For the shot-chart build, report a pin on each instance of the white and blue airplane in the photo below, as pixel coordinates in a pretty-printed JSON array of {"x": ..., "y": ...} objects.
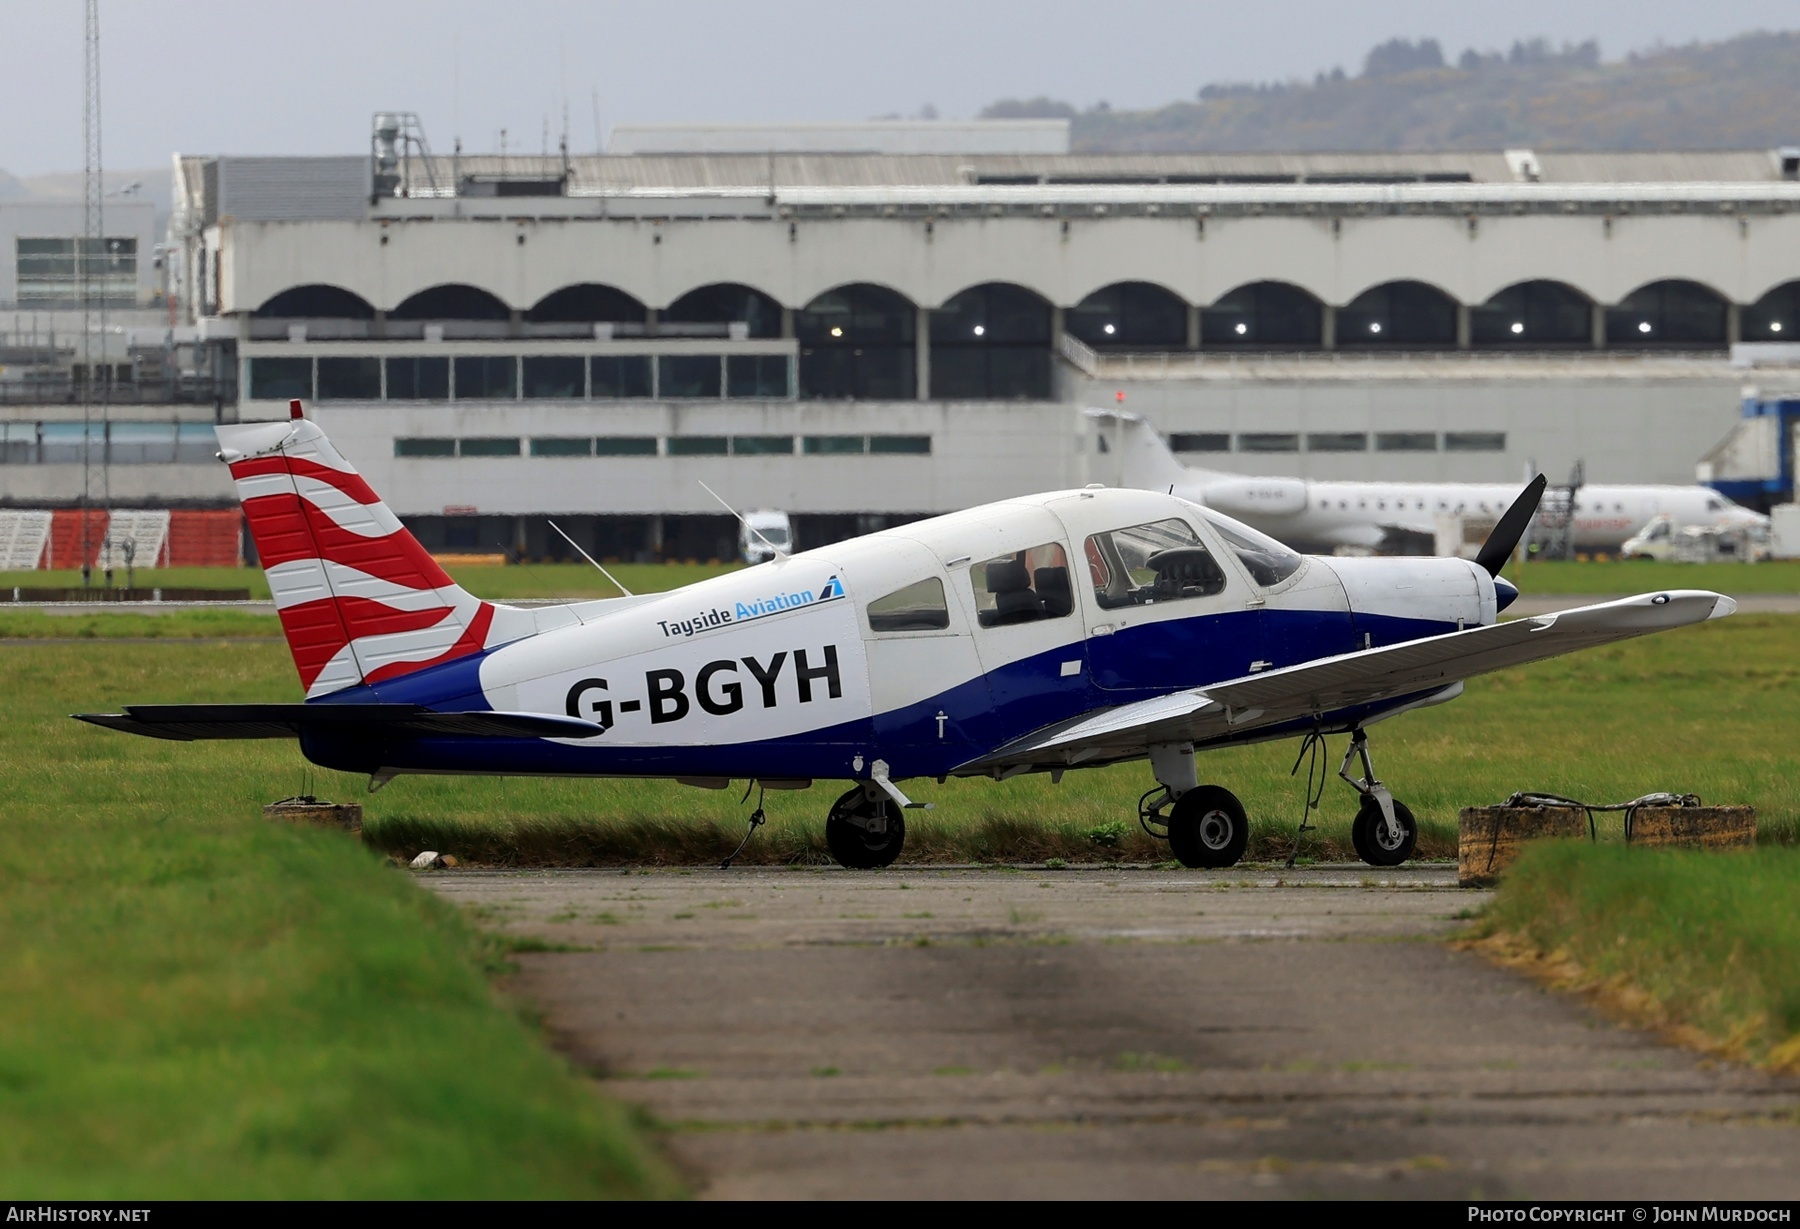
[{"x": 1063, "y": 630}]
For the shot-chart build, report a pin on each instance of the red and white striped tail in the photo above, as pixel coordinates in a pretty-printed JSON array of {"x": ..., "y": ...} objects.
[{"x": 359, "y": 598}]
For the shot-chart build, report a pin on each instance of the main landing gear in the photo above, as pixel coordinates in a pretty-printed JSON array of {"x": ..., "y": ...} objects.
[
  {"x": 1384, "y": 831},
  {"x": 865, "y": 829},
  {"x": 1205, "y": 825}
]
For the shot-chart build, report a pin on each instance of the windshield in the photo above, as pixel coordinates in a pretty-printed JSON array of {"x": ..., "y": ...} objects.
[{"x": 1268, "y": 561}]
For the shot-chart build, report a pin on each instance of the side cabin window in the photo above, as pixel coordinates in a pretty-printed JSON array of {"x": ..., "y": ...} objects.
[
  {"x": 919, "y": 607},
  {"x": 1023, "y": 587},
  {"x": 1159, "y": 562}
]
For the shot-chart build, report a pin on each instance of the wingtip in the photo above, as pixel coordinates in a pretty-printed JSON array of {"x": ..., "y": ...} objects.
[{"x": 1724, "y": 607}]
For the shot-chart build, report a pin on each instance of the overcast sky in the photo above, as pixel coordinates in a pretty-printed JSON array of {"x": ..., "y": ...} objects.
[{"x": 242, "y": 76}]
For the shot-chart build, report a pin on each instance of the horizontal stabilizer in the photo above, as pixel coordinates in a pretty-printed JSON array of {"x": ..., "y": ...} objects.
[{"x": 188, "y": 722}]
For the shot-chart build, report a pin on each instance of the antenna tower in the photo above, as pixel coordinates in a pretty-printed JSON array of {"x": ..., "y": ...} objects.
[{"x": 90, "y": 252}]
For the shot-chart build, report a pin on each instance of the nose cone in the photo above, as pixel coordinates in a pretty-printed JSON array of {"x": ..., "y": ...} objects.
[{"x": 1504, "y": 593}]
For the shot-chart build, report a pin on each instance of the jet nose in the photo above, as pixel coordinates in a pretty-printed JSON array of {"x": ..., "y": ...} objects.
[{"x": 1504, "y": 593}]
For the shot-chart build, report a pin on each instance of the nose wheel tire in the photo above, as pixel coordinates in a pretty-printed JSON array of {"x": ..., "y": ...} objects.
[
  {"x": 1368, "y": 832},
  {"x": 1208, "y": 828},
  {"x": 864, "y": 833}
]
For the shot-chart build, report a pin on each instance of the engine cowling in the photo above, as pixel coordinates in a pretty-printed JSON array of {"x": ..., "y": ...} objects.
[{"x": 1256, "y": 497}]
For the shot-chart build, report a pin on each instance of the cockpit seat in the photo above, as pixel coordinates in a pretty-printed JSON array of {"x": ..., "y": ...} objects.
[
  {"x": 1014, "y": 601},
  {"x": 1054, "y": 594}
]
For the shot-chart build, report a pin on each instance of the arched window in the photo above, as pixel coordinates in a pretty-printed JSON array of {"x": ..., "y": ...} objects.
[
  {"x": 1774, "y": 317},
  {"x": 1264, "y": 315},
  {"x": 726, "y": 303},
  {"x": 1398, "y": 314},
  {"x": 1541, "y": 313},
  {"x": 317, "y": 303},
  {"x": 451, "y": 302},
  {"x": 858, "y": 342},
  {"x": 1130, "y": 316},
  {"x": 586, "y": 303},
  {"x": 1668, "y": 314},
  {"x": 991, "y": 343}
]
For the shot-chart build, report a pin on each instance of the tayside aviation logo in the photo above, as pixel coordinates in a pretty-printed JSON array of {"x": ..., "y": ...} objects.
[{"x": 748, "y": 611}]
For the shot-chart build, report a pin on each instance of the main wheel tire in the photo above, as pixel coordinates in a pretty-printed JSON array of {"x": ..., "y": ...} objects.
[
  {"x": 1368, "y": 832},
  {"x": 1208, "y": 828},
  {"x": 853, "y": 842}
]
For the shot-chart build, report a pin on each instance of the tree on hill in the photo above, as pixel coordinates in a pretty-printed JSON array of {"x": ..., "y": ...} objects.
[{"x": 1743, "y": 93}]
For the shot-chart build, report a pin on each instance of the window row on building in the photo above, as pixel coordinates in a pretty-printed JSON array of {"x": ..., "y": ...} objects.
[
  {"x": 419, "y": 447},
  {"x": 106, "y": 443},
  {"x": 533, "y": 377},
  {"x": 1339, "y": 441},
  {"x": 1128, "y": 315},
  {"x": 63, "y": 272}
]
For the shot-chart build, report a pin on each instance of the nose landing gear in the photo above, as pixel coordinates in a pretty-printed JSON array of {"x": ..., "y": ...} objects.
[{"x": 1384, "y": 831}]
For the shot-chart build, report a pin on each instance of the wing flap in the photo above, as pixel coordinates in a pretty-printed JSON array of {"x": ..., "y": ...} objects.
[{"x": 190, "y": 722}]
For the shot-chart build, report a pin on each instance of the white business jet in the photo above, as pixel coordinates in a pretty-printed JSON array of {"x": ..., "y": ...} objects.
[{"x": 1389, "y": 516}]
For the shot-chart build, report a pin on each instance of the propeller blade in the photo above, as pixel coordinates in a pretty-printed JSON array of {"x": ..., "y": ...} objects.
[{"x": 1499, "y": 546}]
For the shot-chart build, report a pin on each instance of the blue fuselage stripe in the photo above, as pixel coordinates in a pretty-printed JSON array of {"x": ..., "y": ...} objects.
[{"x": 978, "y": 715}]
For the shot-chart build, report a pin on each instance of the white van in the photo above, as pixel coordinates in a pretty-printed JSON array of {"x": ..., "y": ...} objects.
[{"x": 772, "y": 529}]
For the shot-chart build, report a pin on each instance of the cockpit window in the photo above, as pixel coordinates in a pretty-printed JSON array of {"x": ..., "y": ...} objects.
[
  {"x": 1713, "y": 505},
  {"x": 920, "y": 607},
  {"x": 1159, "y": 562},
  {"x": 1023, "y": 587},
  {"x": 1267, "y": 561}
]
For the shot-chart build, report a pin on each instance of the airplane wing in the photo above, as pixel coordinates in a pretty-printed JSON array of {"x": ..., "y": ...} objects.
[
  {"x": 188, "y": 722},
  {"x": 1415, "y": 668}
]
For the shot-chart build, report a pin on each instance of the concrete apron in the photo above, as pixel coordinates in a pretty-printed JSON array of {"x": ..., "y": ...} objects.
[{"x": 1109, "y": 1032}]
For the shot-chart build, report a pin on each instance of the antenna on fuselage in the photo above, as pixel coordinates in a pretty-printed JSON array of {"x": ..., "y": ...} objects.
[
  {"x": 780, "y": 551},
  {"x": 592, "y": 560}
]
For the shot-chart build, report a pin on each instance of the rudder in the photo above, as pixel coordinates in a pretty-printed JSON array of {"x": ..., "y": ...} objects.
[{"x": 360, "y": 599}]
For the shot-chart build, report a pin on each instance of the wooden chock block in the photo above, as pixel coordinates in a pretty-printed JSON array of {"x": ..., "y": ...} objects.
[
  {"x": 1693, "y": 827},
  {"x": 1489, "y": 839},
  {"x": 346, "y": 817}
]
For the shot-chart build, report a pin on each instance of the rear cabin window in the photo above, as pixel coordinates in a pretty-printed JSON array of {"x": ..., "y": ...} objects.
[
  {"x": 1023, "y": 587},
  {"x": 1159, "y": 562},
  {"x": 920, "y": 607}
]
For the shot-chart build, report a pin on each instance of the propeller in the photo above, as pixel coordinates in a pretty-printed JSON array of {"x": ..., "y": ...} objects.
[{"x": 1499, "y": 545}]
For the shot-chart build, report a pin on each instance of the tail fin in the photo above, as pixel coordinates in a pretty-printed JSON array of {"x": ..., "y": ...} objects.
[
  {"x": 360, "y": 600},
  {"x": 1141, "y": 457}
]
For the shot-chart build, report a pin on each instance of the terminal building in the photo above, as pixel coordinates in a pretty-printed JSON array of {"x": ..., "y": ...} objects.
[{"x": 860, "y": 336}]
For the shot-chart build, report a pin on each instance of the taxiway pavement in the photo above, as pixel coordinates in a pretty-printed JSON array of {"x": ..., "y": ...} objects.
[{"x": 1112, "y": 1032}]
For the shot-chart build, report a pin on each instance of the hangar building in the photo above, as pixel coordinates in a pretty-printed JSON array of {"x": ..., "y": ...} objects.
[{"x": 860, "y": 336}]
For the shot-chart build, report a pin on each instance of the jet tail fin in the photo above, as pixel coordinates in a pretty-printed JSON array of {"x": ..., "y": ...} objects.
[{"x": 1139, "y": 455}]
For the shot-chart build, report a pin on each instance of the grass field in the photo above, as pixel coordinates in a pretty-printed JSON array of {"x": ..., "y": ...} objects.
[
  {"x": 1704, "y": 945},
  {"x": 199, "y": 1004},
  {"x": 1646, "y": 576},
  {"x": 1705, "y": 710},
  {"x": 580, "y": 580},
  {"x": 499, "y": 582}
]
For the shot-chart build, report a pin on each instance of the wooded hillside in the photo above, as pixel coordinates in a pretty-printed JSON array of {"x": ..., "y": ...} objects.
[{"x": 1740, "y": 94}]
